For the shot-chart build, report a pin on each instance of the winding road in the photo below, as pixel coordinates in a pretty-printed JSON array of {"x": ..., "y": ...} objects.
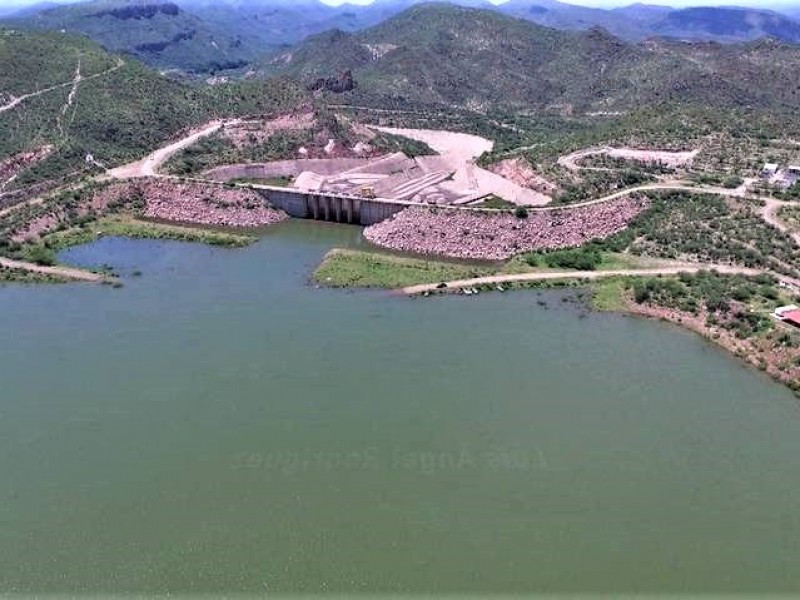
[
  {"x": 148, "y": 166},
  {"x": 770, "y": 214}
]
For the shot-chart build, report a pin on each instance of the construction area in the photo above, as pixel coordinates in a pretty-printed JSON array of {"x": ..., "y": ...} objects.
[{"x": 449, "y": 178}]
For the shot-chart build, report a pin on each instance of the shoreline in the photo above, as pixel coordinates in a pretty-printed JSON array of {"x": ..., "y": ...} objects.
[{"x": 727, "y": 343}]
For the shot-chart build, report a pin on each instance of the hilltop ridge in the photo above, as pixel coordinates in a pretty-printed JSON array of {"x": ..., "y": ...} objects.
[
  {"x": 437, "y": 53},
  {"x": 205, "y": 36}
]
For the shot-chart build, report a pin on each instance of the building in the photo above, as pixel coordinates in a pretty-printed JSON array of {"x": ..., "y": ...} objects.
[
  {"x": 769, "y": 170},
  {"x": 788, "y": 314}
]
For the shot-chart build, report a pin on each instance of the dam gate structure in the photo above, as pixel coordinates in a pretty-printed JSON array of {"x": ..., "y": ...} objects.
[{"x": 326, "y": 206}]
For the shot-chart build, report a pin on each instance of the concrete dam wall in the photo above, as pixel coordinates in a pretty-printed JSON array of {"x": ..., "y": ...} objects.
[{"x": 330, "y": 207}]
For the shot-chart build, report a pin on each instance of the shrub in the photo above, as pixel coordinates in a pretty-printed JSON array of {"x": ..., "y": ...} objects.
[
  {"x": 41, "y": 255},
  {"x": 581, "y": 259}
]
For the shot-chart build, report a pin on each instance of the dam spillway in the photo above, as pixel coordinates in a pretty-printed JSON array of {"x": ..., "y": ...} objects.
[{"x": 326, "y": 206}]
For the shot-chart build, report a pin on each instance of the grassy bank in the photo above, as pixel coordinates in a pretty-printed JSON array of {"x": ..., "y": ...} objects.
[
  {"x": 127, "y": 226},
  {"x": 609, "y": 294},
  {"x": 354, "y": 268}
]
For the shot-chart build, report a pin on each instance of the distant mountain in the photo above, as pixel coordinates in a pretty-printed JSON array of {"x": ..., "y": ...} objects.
[
  {"x": 644, "y": 14},
  {"x": 214, "y": 35},
  {"x": 17, "y": 11},
  {"x": 157, "y": 32},
  {"x": 639, "y": 21},
  {"x": 442, "y": 54},
  {"x": 727, "y": 24},
  {"x": 551, "y": 13},
  {"x": 281, "y": 22}
]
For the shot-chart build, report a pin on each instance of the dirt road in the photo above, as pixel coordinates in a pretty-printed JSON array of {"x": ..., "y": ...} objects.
[
  {"x": 770, "y": 214},
  {"x": 671, "y": 159},
  {"x": 593, "y": 275},
  {"x": 148, "y": 166}
]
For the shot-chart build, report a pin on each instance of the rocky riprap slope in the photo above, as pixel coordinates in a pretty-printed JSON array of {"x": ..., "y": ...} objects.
[{"x": 477, "y": 235}]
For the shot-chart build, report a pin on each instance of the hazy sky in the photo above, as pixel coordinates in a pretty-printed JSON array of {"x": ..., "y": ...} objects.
[
  {"x": 612, "y": 3},
  {"x": 597, "y": 3}
]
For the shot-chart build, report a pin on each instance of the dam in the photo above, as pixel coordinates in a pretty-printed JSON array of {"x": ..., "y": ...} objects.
[{"x": 328, "y": 206}]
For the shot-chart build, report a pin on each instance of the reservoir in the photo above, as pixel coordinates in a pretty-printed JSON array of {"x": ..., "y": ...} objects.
[{"x": 221, "y": 425}]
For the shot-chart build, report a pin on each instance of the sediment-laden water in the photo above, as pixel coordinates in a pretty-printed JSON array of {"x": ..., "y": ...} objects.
[{"x": 220, "y": 425}]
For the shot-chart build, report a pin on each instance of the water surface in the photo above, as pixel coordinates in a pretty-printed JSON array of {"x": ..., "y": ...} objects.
[{"x": 221, "y": 425}]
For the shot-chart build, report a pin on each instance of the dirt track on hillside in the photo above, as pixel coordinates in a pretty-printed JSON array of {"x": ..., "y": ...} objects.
[{"x": 71, "y": 83}]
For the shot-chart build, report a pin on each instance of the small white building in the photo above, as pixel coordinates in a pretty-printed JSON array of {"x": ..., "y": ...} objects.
[{"x": 770, "y": 170}]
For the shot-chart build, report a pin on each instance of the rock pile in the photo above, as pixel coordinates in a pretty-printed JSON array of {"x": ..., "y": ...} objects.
[
  {"x": 204, "y": 205},
  {"x": 478, "y": 235}
]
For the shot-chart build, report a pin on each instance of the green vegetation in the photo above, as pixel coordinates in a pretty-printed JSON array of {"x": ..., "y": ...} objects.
[
  {"x": 734, "y": 311},
  {"x": 8, "y": 275},
  {"x": 791, "y": 216},
  {"x": 272, "y": 181},
  {"x": 609, "y": 294},
  {"x": 594, "y": 184},
  {"x": 353, "y": 268},
  {"x": 707, "y": 228},
  {"x": 714, "y": 294},
  {"x": 589, "y": 257},
  {"x": 497, "y": 203},
  {"x": 40, "y": 254},
  {"x": 586, "y": 258},
  {"x": 126, "y": 226},
  {"x": 389, "y": 143},
  {"x": 218, "y": 149},
  {"x": 161, "y": 34},
  {"x": 118, "y": 116},
  {"x": 451, "y": 55}
]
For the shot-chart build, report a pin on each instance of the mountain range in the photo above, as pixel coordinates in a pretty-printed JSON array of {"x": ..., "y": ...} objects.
[
  {"x": 472, "y": 58},
  {"x": 207, "y": 36}
]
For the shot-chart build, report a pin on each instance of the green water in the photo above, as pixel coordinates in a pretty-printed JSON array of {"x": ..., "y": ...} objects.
[{"x": 220, "y": 425}]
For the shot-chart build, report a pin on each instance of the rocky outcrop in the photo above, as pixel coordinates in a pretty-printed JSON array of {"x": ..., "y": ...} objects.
[{"x": 337, "y": 85}]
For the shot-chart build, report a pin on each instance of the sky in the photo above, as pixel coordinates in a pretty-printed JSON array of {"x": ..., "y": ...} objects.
[
  {"x": 613, "y": 3},
  {"x": 6, "y": 4}
]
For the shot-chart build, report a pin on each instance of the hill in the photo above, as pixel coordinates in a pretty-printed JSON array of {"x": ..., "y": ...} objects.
[
  {"x": 157, "y": 32},
  {"x": 116, "y": 111},
  {"x": 207, "y": 36},
  {"x": 443, "y": 54}
]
